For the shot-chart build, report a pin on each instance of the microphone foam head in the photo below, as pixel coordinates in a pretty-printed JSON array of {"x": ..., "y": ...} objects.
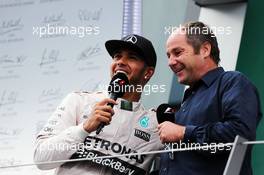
[
  {"x": 165, "y": 112},
  {"x": 118, "y": 84}
]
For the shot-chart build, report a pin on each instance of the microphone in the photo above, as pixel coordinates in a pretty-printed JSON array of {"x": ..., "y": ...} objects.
[
  {"x": 116, "y": 89},
  {"x": 165, "y": 112}
]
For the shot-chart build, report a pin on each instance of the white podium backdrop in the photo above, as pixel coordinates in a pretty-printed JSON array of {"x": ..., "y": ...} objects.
[{"x": 36, "y": 72}]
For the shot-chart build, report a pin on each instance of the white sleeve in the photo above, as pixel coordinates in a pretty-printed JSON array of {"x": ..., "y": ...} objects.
[{"x": 61, "y": 136}]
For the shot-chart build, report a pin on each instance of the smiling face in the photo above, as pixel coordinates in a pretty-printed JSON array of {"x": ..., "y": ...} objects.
[
  {"x": 188, "y": 66},
  {"x": 130, "y": 63}
]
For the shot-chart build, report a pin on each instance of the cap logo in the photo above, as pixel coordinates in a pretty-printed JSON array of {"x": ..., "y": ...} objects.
[{"x": 131, "y": 39}]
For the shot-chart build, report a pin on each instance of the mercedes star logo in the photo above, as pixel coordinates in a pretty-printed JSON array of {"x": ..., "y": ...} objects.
[{"x": 131, "y": 39}]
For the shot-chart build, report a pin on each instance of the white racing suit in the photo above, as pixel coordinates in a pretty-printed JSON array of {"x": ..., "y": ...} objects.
[{"x": 130, "y": 131}]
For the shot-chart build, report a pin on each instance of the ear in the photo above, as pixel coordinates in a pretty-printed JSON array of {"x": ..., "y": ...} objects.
[
  {"x": 205, "y": 49},
  {"x": 148, "y": 73}
]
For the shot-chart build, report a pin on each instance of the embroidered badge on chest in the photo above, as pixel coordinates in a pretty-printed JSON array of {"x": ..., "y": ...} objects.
[
  {"x": 144, "y": 122},
  {"x": 142, "y": 135}
]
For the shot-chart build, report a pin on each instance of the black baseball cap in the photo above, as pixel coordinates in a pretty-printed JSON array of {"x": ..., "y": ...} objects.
[{"x": 136, "y": 43}]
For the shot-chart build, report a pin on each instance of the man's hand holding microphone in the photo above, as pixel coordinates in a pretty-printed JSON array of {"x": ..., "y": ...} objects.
[
  {"x": 102, "y": 112},
  {"x": 169, "y": 131}
]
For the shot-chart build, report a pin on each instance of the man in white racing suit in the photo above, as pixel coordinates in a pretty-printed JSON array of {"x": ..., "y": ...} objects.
[{"x": 70, "y": 132}]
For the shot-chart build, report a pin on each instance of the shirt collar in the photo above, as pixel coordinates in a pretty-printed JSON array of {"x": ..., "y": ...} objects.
[
  {"x": 210, "y": 76},
  {"x": 135, "y": 105}
]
